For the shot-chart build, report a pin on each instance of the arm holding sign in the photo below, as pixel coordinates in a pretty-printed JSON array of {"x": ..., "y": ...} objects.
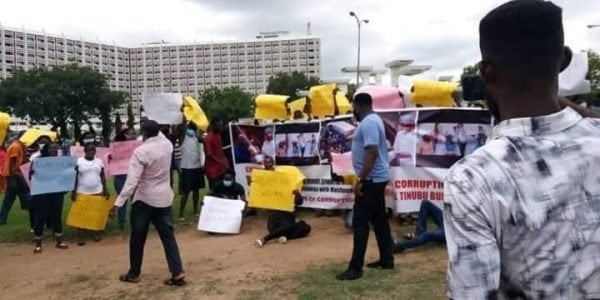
[
  {"x": 103, "y": 179},
  {"x": 74, "y": 192},
  {"x": 136, "y": 167}
]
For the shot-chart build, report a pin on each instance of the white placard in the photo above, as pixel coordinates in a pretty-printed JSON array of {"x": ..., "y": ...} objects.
[
  {"x": 164, "y": 108},
  {"x": 221, "y": 215}
]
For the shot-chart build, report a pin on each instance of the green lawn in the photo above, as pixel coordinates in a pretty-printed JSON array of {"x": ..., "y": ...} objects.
[{"x": 17, "y": 228}]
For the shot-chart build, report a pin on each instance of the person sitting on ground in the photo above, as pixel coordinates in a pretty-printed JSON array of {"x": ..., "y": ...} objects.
[
  {"x": 421, "y": 235},
  {"x": 229, "y": 189},
  {"x": 282, "y": 225}
]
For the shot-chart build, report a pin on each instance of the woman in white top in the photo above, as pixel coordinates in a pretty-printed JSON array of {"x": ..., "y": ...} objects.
[{"x": 90, "y": 180}]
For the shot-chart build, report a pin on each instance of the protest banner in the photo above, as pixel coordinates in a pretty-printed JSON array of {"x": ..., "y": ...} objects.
[
  {"x": 270, "y": 107},
  {"x": 194, "y": 113},
  {"x": 120, "y": 153},
  {"x": 422, "y": 142},
  {"x": 221, "y": 215},
  {"x": 90, "y": 212},
  {"x": 53, "y": 175},
  {"x": 272, "y": 190},
  {"x": 25, "y": 172},
  {"x": 164, "y": 108},
  {"x": 297, "y": 143}
]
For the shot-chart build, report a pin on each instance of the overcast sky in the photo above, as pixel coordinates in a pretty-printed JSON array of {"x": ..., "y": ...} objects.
[{"x": 438, "y": 32}]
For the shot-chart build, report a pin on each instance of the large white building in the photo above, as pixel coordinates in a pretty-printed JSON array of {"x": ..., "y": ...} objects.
[{"x": 188, "y": 68}]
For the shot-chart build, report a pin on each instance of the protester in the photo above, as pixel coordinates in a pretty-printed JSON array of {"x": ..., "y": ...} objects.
[
  {"x": 216, "y": 163},
  {"x": 15, "y": 182},
  {"x": 422, "y": 236},
  {"x": 192, "y": 176},
  {"x": 521, "y": 213},
  {"x": 282, "y": 225},
  {"x": 90, "y": 180},
  {"x": 119, "y": 180},
  {"x": 65, "y": 145},
  {"x": 148, "y": 183},
  {"x": 229, "y": 189},
  {"x": 47, "y": 207},
  {"x": 89, "y": 137},
  {"x": 370, "y": 161}
]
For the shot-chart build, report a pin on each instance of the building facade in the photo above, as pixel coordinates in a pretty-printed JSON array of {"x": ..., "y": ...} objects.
[{"x": 187, "y": 68}]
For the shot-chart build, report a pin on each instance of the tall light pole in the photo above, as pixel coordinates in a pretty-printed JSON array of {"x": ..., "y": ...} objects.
[
  {"x": 593, "y": 26},
  {"x": 358, "y": 22}
]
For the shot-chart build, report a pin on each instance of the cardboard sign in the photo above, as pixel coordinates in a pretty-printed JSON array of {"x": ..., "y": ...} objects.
[
  {"x": 121, "y": 154},
  {"x": 89, "y": 212},
  {"x": 341, "y": 163},
  {"x": 433, "y": 93},
  {"x": 272, "y": 190},
  {"x": 384, "y": 97},
  {"x": 221, "y": 215},
  {"x": 269, "y": 107},
  {"x": 53, "y": 175},
  {"x": 4, "y": 125},
  {"x": 164, "y": 108},
  {"x": 194, "y": 113},
  {"x": 321, "y": 100}
]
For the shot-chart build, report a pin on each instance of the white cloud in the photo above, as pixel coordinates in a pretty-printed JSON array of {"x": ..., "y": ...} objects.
[{"x": 438, "y": 32}]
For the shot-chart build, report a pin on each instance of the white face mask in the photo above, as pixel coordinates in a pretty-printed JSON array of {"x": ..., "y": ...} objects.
[{"x": 227, "y": 183}]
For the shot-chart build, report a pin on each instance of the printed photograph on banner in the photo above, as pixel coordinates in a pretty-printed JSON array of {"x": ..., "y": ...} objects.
[
  {"x": 336, "y": 137},
  {"x": 400, "y": 130},
  {"x": 446, "y": 136},
  {"x": 297, "y": 144},
  {"x": 252, "y": 143}
]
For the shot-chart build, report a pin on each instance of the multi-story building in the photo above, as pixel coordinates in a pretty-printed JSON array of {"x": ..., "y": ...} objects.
[{"x": 188, "y": 68}]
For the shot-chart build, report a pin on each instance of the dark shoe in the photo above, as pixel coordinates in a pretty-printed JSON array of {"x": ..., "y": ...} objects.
[
  {"x": 349, "y": 275},
  {"x": 378, "y": 264}
]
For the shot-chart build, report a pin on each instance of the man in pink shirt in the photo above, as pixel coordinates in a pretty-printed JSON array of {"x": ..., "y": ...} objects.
[{"x": 148, "y": 183}]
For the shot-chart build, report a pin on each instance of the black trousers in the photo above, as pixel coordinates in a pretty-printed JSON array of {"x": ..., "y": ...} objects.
[
  {"x": 370, "y": 208},
  {"x": 142, "y": 215},
  {"x": 16, "y": 187},
  {"x": 291, "y": 231},
  {"x": 48, "y": 209}
]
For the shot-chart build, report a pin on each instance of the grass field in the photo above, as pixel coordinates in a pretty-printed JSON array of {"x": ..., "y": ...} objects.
[{"x": 17, "y": 228}]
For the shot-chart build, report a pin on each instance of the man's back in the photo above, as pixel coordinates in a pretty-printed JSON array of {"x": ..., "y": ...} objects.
[
  {"x": 152, "y": 160},
  {"x": 536, "y": 188}
]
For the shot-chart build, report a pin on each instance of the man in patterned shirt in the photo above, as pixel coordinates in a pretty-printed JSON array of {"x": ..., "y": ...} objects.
[{"x": 522, "y": 213}]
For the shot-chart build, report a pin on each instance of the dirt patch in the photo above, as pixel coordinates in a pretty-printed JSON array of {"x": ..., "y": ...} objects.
[{"x": 217, "y": 267}]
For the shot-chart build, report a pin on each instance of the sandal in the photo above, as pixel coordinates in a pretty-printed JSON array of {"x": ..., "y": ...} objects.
[
  {"x": 175, "y": 281},
  {"x": 62, "y": 245},
  {"x": 37, "y": 249},
  {"x": 96, "y": 238},
  {"x": 128, "y": 278}
]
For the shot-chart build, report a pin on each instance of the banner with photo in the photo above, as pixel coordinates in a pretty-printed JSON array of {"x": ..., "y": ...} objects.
[{"x": 422, "y": 144}]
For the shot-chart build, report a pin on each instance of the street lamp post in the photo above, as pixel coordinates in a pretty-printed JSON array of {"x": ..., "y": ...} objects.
[
  {"x": 358, "y": 22},
  {"x": 593, "y": 26}
]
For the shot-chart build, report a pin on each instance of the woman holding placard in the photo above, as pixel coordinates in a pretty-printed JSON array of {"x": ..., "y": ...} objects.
[
  {"x": 90, "y": 180},
  {"x": 47, "y": 207}
]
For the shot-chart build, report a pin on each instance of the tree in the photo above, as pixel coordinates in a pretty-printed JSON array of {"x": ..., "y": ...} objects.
[
  {"x": 470, "y": 71},
  {"x": 130, "y": 116},
  {"x": 58, "y": 96},
  {"x": 351, "y": 91},
  {"x": 594, "y": 73},
  {"x": 118, "y": 123},
  {"x": 290, "y": 83},
  {"x": 230, "y": 103}
]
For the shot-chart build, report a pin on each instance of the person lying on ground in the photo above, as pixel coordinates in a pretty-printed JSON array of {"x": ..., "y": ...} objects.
[
  {"x": 421, "y": 235},
  {"x": 282, "y": 225}
]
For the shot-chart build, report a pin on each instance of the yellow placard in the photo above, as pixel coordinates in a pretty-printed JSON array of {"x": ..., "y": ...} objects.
[
  {"x": 269, "y": 107},
  {"x": 296, "y": 176},
  {"x": 321, "y": 100},
  {"x": 343, "y": 104},
  {"x": 297, "y": 106},
  {"x": 272, "y": 190},
  {"x": 194, "y": 113},
  {"x": 4, "y": 125},
  {"x": 433, "y": 93},
  {"x": 33, "y": 134},
  {"x": 90, "y": 212}
]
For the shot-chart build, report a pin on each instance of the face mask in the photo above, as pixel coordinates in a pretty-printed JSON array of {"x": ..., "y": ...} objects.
[
  {"x": 227, "y": 183},
  {"x": 190, "y": 132}
]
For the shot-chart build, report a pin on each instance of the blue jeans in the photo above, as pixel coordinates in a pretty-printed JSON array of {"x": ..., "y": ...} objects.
[
  {"x": 142, "y": 215},
  {"x": 16, "y": 186},
  {"x": 119, "y": 182},
  {"x": 422, "y": 236}
]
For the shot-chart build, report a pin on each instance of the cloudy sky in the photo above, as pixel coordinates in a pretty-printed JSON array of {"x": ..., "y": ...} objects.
[{"x": 438, "y": 32}]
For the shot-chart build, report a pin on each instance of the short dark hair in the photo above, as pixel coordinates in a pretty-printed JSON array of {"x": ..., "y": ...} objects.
[
  {"x": 150, "y": 128},
  {"x": 524, "y": 38},
  {"x": 363, "y": 99}
]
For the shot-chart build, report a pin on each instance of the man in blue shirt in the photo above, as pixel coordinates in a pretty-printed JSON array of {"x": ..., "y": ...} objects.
[{"x": 370, "y": 162}]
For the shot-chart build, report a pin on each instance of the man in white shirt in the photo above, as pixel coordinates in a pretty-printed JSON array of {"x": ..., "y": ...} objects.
[
  {"x": 522, "y": 213},
  {"x": 148, "y": 178},
  {"x": 406, "y": 140}
]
